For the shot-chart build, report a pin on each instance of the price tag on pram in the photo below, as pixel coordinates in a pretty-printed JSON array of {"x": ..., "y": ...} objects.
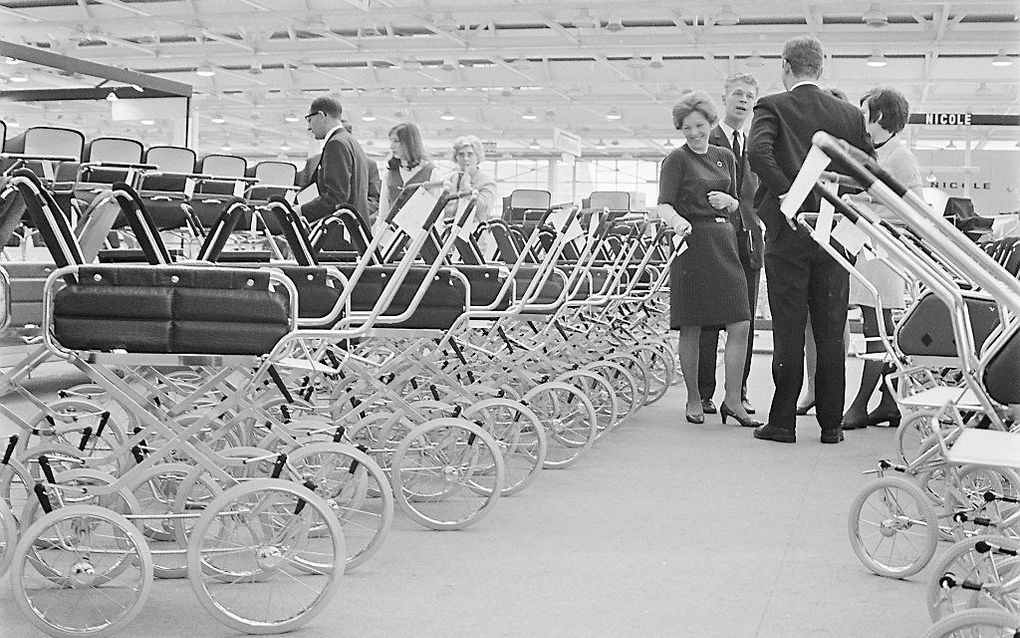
[
  {"x": 826, "y": 215},
  {"x": 470, "y": 224},
  {"x": 189, "y": 187},
  {"x": 47, "y": 169},
  {"x": 849, "y": 236},
  {"x": 413, "y": 215},
  {"x": 558, "y": 219}
]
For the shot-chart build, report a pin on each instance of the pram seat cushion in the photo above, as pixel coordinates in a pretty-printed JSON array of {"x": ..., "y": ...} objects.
[
  {"x": 316, "y": 295},
  {"x": 1002, "y": 371},
  {"x": 174, "y": 310},
  {"x": 443, "y": 303},
  {"x": 927, "y": 330}
]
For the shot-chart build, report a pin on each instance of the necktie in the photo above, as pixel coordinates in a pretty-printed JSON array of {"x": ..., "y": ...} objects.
[{"x": 738, "y": 154}]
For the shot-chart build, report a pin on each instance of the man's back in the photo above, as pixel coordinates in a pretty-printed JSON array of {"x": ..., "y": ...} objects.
[{"x": 780, "y": 139}]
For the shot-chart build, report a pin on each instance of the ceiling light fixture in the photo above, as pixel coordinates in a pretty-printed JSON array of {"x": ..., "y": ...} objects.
[
  {"x": 1001, "y": 59},
  {"x": 447, "y": 22},
  {"x": 285, "y": 147},
  {"x": 876, "y": 60},
  {"x": 148, "y": 121},
  {"x": 983, "y": 89},
  {"x": 600, "y": 145},
  {"x": 226, "y": 148},
  {"x": 636, "y": 61},
  {"x": 291, "y": 117},
  {"x": 529, "y": 114},
  {"x": 217, "y": 118},
  {"x": 370, "y": 31},
  {"x": 656, "y": 62},
  {"x": 614, "y": 114},
  {"x": 447, "y": 115},
  {"x": 584, "y": 20},
  {"x": 614, "y": 25},
  {"x": 668, "y": 144},
  {"x": 256, "y": 68},
  {"x": 726, "y": 17},
  {"x": 450, "y": 64},
  {"x": 951, "y": 146},
  {"x": 411, "y": 64},
  {"x": 755, "y": 60},
  {"x": 368, "y": 116},
  {"x": 19, "y": 76},
  {"x": 111, "y": 97},
  {"x": 874, "y": 17},
  {"x": 206, "y": 70},
  {"x": 534, "y": 145},
  {"x": 13, "y": 123}
]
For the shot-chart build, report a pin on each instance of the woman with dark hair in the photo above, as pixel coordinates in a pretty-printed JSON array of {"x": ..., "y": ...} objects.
[
  {"x": 886, "y": 111},
  {"x": 409, "y": 165},
  {"x": 707, "y": 283}
]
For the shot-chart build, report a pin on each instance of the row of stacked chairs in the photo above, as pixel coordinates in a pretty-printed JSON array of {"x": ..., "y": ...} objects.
[{"x": 254, "y": 425}]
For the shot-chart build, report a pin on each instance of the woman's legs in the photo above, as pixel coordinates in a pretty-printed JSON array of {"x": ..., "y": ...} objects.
[
  {"x": 887, "y": 409},
  {"x": 734, "y": 357},
  {"x": 807, "y": 396},
  {"x": 688, "y": 349},
  {"x": 856, "y": 416}
]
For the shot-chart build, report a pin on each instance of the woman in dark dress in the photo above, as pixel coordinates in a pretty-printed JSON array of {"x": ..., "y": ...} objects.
[{"x": 707, "y": 283}]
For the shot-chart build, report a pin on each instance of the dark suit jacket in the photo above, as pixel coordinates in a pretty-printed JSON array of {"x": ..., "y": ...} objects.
[
  {"x": 374, "y": 188},
  {"x": 749, "y": 235},
  {"x": 779, "y": 141},
  {"x": 341, "y": 177}
]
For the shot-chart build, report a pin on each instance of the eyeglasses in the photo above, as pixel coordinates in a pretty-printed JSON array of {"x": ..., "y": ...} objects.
[{"x": 308, "y": 118}]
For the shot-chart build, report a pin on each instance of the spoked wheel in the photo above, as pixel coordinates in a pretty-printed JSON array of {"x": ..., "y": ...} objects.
[
  {"x": 101, "y": 572},
  {"x": 447, "y": 473},
  {"x": 893, "y": 529},
  {"x": 659, "y": 367},
  {"x": 976, "y": 623},
  {"x": 266, "y": 556},
  {"x": 914, "y": 435},
  {"x": 971, "y": 574},
  {"x": 625, "y": 387},
  {"x": 569, "y": 419},
  {"x": 520, "y": 437},
  {"x": 156, "y": 517},
  {"x": 637, "y": 370},
  {"x": 8, "y": 537},
  {"x": 601, "y": 394},
  {"x": 86, "y": 426},
  {"x": 355, "y": 488}
]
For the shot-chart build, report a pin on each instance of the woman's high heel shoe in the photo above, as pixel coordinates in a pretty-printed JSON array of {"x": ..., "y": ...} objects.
[
  {"x": 725, "y": 412},
  {"x": 803, "y": 409},
  {"x": 854, "y": 419}
]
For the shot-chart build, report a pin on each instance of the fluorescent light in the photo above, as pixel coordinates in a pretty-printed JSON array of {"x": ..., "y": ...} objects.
[
  {"x": 726, "y": 17},
  {"x": 876, "y": 60},
  {"x": 226, "y": 147},
  {"x": 206, "y": 71},
  {"x": 534, "y": 145},
  {"x": 583, "y": 20},
  {"x": 148, "y": 121},
  {"x": 291, "y": 117},
  {"x": 447, "y": 115},
  {"x": 614, "y": 114},
  {"x": 656, "y": 62},
  {"x": 755, "y": 60},
  {"x": 13, "y": 123},
  {"x": 450, "y": 64},
  {"x": 368, "y": 116},
  {"x": 668, "y": 144},
  {"x": 217, "y": 118},
  {"x": 614, "y": 25},
  {"x": 983, "y": 89},
  {"x": 600, "y": 145},
  {"x": 529, "y": 114},
  {"x": 285, "y": 147},
  {"x": 874, "y": 17},
  {"x": 1002, "y": 59},
  {"x": 111, "y": 97},
  {"x": 19, "y": 77}
]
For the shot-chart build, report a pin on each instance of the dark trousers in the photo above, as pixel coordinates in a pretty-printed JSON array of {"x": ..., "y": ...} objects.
[
  {"x": 796, "y": 283},
  {"x": 708, "y": 345}
]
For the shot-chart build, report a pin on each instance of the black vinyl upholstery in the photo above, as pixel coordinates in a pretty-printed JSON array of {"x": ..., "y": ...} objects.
[
  {"x": 444, "y": 301},
  {"x": 927, "y": 330},
  {"x": 170, "y": 310},
  {"x": 1003, "y": 370}
]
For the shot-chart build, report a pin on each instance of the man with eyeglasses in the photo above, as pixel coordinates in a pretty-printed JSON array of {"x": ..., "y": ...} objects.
[
  {"x": 800, "y": 275},
  {"x": 739, "y": 93},
  {"x": 341, "y": 175}
]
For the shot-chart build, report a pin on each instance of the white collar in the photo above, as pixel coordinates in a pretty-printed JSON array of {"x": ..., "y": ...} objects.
[
  {"x": 803, "y": 82},
  {"x": 330, "y": 133},
  {"x": 729, "y": 130}
]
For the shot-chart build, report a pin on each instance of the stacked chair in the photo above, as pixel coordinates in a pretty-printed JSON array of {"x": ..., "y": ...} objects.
[
  {"x": 254, "y": 409},
  {"x": 954, "y": 477}
]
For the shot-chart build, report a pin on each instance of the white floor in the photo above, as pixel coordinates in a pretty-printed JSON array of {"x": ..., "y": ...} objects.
[{"x": 665, "y": 529}]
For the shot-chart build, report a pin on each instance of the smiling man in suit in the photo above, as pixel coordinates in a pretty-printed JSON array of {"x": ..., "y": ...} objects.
[
  {"x": 739, "y": 93},
  {"x": 800, "y": 274}
]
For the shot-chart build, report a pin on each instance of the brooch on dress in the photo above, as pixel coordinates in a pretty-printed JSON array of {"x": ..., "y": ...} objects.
[{"x": 719, "y": 164}]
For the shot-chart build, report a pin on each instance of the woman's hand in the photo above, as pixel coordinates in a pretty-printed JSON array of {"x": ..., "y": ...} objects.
[{"x": 720, "y": 200}]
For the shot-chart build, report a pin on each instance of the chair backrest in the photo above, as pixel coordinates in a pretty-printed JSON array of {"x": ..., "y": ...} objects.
[
  {"x": 53, "y": 141},
  {"x": 171, "y": 159},
  {"x": 218, "y": 165},
  {"x": 3, "y": 135},
  {"x": 523, "y": 198},
  {"x": 121, "y": 150},
  {"x": 274, "y": 173},
  {"x": 613, "y": 200}
]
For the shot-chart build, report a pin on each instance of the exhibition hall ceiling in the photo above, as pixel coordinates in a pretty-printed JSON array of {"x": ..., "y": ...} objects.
[{"x": 509, "y": 71}]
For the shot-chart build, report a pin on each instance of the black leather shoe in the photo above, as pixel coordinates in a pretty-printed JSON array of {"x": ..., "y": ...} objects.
[
  {"x": 854, "y": 420},
  {"x": 769, "y": 433},
  {"x": 832, "y": 436},
  {"x": 708, "y": 407},
  {"x": 747, "y": 406}
]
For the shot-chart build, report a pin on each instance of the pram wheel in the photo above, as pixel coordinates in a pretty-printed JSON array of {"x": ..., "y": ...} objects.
[
  {"x": 914, "y": 435},
  {"x": 893, "y": 529},
  {"x": 976, "y": 623},
  {"x": 520, "y": 437},
  {"x": 637, "y": 370},
  {"x": 659, "y": 368},
  {"x": 69, "y": 418},
  {"x": 8, "y": 537},
  {"x": 266, "y": 556},
  {"x": 355, "y": 488},
  {"x": 569, "y": 419},
  {"x": 447, "y": 473},
  {"x": 156, "y": 493},
  {"x": 962, "y": 563},
  {"x": 625, "y": 387},
  {"x": 98, "y": 575},
  {"x": 601, "y": 394}
]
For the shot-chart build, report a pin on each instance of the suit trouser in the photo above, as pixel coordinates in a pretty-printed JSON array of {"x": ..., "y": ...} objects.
[
  {"x": 709, "y": 342},
  {"x": 797, "y": 282}
]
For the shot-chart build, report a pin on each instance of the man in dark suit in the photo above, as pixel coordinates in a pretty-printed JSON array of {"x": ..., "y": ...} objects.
[
  {"x": 800, "y": 274},
  {"x": 341, "y": 175},
  {"x": 739, "y": 94}
]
